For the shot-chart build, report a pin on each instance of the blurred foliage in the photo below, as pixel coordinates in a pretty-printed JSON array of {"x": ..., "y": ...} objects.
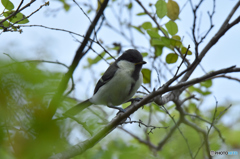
[
  {"x": 25, "y": 91},
  {"x": 146, "y": 75},
  {"x": 66, "y": 6}
]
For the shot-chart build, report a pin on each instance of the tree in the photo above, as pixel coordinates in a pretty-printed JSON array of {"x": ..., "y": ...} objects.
[{"x": 171, "y": 123}]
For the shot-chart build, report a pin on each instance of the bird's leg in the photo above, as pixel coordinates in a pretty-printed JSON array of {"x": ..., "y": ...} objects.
[{"x": 119, "y": 108}]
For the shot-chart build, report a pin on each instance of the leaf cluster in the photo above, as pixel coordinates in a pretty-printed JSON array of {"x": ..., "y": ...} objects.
[{"x": 12, "y": 16}]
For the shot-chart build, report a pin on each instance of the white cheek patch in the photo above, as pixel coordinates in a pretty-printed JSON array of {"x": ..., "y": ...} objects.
[{"x": 126, "y": 65}]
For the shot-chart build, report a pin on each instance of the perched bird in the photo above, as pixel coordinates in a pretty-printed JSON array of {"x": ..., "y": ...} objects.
[{"x": 117, "y": 85}]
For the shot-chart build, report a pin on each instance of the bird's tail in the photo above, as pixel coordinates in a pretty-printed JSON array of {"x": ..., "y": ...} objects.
[{"x": 78, "y": 108}]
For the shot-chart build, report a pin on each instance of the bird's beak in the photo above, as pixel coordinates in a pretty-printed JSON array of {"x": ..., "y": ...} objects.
[{"x": 141, "y": 63}]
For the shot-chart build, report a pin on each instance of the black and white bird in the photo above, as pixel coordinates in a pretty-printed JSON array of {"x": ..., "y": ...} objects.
[{"x": 117, "y": 85}]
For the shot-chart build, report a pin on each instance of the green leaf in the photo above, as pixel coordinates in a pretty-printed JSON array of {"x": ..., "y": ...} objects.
[
  {"x": 206, "y": 93},
  {"x": 125, "y": 105},
  {"x": 172, "y": 27},
  {"x": 147, "y": 25},
  {"x": 153, "y": 34},
  {"x": 199, "y": 90},
  {"x": 207, "y": 83},
  {"x": 144, "y": 54},
  {"x": 7, "y": 4},
  {"x": 155, "y": 42},
  {"x": 110, "y": 58},
  {"x": 7, "y": 13},
  {"x": 161, "y": 41},
  {"x": 166, "y": 41},
  {"x": 172, "y": 10},
  {"x": 176, "y": 37},
  {"x": 192, "y": 88},
  {"x": 114, "y": 48},
  {"x": 161, "y": 8},
  {"x": 176, "y": 43},
  {"x": 158, "y": 50},
  {"x": 18, "y": 17},
  {"x": 66, "y": 6},
  {"x": 89, "y": 11},
  {"x": 129, "y": 6},
  {"x": 184, "y": 50},
  {"x": 155, "y": 107},
  {"x": 146, "y": 75},
  {"x": 192, "y": 107},
  {"x": 5, "y": 24},
  {"x": 95, "y": 60},
  {"x": 164, "y": 31},
  {"x": 138, "y": 29},
  {"x": 171, "y": 58},
  {"x": 141, "y": 13}
]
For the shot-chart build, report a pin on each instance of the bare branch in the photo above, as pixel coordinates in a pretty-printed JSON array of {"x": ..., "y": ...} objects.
[
  {"x": 224, "y": 28},
  {"x": 211, "y": 22},
  {"x": 182, "y": 60},
  {"x": 146, "y": 125}
]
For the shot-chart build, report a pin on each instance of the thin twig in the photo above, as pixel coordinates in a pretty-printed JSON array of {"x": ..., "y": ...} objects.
[
  {"x": 211, "y": 125},
  {"x": 204, "y": 120},
  {"x": 57, "y": 29},
  {"x": 146, "y": 125},
  {"x": 182, "y": 60}
]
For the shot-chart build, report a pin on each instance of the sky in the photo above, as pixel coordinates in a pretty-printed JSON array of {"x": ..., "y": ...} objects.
[{"x": 40, "y": 43}]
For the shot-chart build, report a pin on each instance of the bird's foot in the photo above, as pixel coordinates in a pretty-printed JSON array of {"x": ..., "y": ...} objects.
[
  {"x": 119, "y": 108},
  {"x": 134, "y": 100}
]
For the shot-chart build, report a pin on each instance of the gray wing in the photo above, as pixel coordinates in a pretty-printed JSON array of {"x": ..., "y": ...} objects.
[{"x": 106, "y": 76}]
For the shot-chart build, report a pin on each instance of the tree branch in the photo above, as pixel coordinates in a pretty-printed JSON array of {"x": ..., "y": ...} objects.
[
  {"x": 78, "y": 56},
  {"x": 82, "y": 147}
]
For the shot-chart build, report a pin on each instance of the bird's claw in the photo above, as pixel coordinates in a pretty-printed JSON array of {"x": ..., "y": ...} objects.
[
  {"x": 119, "y": 108},
  {"x": 135, "y": 100}
]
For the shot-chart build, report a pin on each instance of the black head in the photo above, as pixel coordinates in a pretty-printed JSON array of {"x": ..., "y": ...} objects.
[{"x": 133, "y": 56}]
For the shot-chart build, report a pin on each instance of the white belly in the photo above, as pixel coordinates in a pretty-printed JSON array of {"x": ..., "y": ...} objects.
[{"x": 117, "y": 90}]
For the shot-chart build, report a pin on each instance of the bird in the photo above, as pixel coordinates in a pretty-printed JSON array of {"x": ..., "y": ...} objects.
[{"x": 117, "y": 85}]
